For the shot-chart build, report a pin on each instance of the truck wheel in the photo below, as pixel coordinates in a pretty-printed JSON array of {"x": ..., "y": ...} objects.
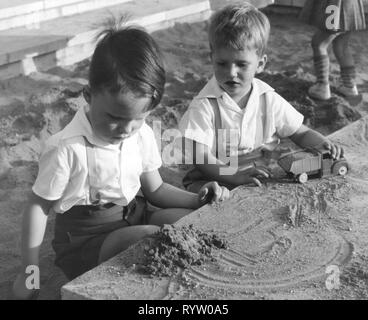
[
  {"x": 302, "y": 178},
  {"x": 340, "y": 168}
]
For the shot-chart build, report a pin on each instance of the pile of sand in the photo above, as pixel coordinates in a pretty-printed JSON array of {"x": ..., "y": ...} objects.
[{"x": 172, "y": 248}]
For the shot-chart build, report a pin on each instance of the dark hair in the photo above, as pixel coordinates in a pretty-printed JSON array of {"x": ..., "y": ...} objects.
[
  {"x": 128, "y": 58},
  {"x": 239, "y": 26}
]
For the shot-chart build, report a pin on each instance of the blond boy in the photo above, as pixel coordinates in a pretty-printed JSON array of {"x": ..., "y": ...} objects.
[{"x": 248, "y": 109}]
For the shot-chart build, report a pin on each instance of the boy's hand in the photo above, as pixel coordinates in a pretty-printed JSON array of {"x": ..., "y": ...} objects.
[
  {"x": 252, "y": 175},
  {"x": 20, "y": 291},
  {"x": 336, "y": 151},
  {"x": 212, "y": 192}
]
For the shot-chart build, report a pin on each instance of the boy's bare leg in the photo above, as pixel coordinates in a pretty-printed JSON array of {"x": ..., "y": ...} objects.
[
  {"x": 121, "y": 239},
  {"x": 168, "y": 216}
]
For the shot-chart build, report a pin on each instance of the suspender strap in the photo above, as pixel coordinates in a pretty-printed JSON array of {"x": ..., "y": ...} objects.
[
  {"x": 94, "y": 195},
  {"x": 218, "y": 122}
]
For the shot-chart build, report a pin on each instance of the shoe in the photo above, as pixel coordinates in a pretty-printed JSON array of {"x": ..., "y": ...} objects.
[
  {"x": 320, "y": 91},
  {"x": 348, "y": 92}
]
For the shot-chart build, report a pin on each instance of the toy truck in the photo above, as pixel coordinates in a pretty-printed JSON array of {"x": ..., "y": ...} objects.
[{"x": 300, "y": 165}]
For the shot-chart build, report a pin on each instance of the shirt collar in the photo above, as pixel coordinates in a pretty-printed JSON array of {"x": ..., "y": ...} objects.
[
  {"x": 213, "y": 90},
  {"x": 80, "y": 126}
]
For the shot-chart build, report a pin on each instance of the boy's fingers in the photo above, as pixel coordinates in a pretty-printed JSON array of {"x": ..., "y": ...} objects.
[
  {"x": 225, "y": 194},
  {"x": 331, "y": 147},
  {"x": 257, "y": 182},
  {"x": 258, "y": 171},
  {"x": 217, "y": 193},
  {"x": 221, "y": 195},
  {"x": 262, "y": 172},
  {"x": 333, "y": 151},
  {"x": 265, "y": 173},
  {"x": 203, "y": 194},
  {"x": 326, "y": 145},
  {"x": 337, "y": 152}
]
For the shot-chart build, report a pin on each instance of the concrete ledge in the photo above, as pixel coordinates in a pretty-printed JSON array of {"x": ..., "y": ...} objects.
[
  {"x": 11, "y": 10},
  {"x": 45, "y": 52},
  {"x": 37, "y": 12},
  {"x": 30, "y": 47}
]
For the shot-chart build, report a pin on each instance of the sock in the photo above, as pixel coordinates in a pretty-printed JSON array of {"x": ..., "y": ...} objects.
[
  {"x": 348, "y": 76},
  {"x": 322, "y": 68}
]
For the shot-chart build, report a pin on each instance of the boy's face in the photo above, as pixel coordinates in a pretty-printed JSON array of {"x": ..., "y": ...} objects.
[
  {"x": 235, "y": 69},
  {"x": 116, "y": 116}
]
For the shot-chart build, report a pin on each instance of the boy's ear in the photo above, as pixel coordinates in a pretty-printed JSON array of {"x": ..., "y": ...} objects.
[
  {"x": 87, "y": 93},
  {"x": 262, "y": 63}
]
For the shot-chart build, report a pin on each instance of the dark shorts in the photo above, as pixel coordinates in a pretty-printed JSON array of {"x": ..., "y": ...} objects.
[{"x": 81, "y": 231}]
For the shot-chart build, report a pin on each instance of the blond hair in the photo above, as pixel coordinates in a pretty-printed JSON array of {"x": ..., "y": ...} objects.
[{"x": 239, "y": 26}]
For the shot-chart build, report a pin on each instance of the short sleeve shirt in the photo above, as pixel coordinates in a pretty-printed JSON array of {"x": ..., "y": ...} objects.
[
  {"x": 63, "y": 169},
  {"x": 266, "y": 117}
]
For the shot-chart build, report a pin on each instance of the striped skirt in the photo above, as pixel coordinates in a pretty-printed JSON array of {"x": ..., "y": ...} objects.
[{"x": 334, "y": 15}]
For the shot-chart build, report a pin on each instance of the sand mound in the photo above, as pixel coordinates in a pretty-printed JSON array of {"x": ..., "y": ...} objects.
[{"x": 173, "y": 248}]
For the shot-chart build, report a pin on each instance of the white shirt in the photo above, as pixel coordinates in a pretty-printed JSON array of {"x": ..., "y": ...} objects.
[
  {"x": 63, "y": 170},
  {"x": 266, "y": 117}
]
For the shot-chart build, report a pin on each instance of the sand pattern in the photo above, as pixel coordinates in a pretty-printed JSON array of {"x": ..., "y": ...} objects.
[{"x": 267, "y": 256}]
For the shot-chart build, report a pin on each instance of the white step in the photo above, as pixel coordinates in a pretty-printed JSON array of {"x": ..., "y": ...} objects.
[
  {"x": 31, "y": 13},
  {"x": 68, "y": 40}
]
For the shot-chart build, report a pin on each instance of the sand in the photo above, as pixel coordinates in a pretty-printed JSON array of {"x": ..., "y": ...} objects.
[
  {"x": 34, "y": 107},
  {"x": 173, "y": 248}
]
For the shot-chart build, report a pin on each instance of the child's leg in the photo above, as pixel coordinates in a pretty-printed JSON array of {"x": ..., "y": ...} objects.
[
  {"x": 121, "y": 239},
  {"x": 320, "y": 43},
  {"x": 345, "y": 58},
  {"x": 321, "y": 40},
  {"x": 168, "y": 216}
]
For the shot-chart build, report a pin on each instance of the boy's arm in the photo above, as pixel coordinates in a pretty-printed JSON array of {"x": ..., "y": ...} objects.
[
  {"x": 218, "y": 171},
  {"x": 33, "y": 231},
  {"x": 164, "y": 195},
  {"x": 305, "y": 137}
]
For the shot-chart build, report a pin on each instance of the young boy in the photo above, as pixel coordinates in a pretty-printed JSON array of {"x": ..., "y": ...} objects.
[
  {"x": 250, "y": 112},
  {"x": 91, "y": 171}
]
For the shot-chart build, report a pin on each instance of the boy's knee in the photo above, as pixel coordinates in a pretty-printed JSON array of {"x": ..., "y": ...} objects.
[
  {"x": 121, "y": 239},
  {"x": 317, "y": 44},
  {"x": 168, "y": 216},
  {"x": 149, "y": 229},
  {"x": 340, "y": 42}
]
